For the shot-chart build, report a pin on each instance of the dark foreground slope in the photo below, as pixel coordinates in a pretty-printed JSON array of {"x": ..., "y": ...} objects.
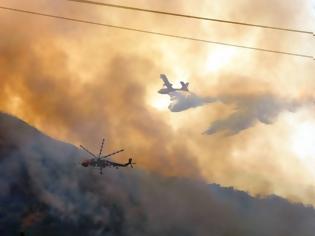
[{"x": 43, "y": 191}]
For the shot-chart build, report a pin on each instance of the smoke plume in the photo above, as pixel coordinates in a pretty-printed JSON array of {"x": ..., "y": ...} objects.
[
  {"x": 252, "y": 109},
  {"x": 79, "y": 83}
]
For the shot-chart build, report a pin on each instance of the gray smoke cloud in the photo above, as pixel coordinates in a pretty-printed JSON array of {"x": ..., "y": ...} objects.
[
  {"x": 252, "y": 109},
  {"x": 47, "y": 192},
  {"x": 248, "y": 109}
]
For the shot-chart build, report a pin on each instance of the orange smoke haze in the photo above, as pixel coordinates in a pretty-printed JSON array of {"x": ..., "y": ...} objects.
[{"x": 79, "y": 82}]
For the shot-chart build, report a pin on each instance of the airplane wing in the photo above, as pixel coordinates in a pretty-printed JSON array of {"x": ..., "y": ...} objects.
[{"x": 166, "y": 82}]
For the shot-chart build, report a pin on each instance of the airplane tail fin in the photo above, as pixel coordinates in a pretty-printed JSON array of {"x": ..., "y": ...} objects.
[
  {"x": 131, "y": 163},
  {"x": 184, "y": 85}
]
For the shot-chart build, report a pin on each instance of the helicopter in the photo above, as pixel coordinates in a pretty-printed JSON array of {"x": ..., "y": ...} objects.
[{"x": 99, "y": 161}]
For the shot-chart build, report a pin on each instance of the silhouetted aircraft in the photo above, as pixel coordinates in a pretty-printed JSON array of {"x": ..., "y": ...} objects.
[
  {"x": 168, "y": 87},
  {"x": 98, "y": 161}
]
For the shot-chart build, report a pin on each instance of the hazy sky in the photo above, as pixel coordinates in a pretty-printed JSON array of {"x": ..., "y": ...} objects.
[{"x": 79, "y": 83}]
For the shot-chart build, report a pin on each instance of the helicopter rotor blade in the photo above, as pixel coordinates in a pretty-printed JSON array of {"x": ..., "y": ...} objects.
[
  {"x": 102, "y": 145},
  {"x": 111, "y": 154},
  {"x": 85, "y": 149}
]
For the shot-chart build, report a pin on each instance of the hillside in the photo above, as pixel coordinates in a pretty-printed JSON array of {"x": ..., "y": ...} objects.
[{"x": 44, "y": 191}]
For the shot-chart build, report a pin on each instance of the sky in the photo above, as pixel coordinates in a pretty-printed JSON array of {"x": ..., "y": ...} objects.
[{"x": 79, "y": 83}]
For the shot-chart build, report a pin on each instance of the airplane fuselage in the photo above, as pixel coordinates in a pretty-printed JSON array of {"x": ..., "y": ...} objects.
[
  {"x": 166, "y": 90},
  {"x": 168, "y": 87},
  {"x": 169, "y": 90}
]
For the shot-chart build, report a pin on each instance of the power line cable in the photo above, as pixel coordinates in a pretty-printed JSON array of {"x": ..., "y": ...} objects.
[
  {"x": 192, "y": 16},
  {"x": 155, "y": 33}
]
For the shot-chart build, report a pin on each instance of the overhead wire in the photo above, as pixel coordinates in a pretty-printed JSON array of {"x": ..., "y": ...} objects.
[
  {"x": 192, "y": 16},
  {"x": 155, "y": 33}
]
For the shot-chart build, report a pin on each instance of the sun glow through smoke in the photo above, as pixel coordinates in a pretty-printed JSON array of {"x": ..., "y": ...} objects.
[
  {"x": 219, "y": 58},
  {"x": 303, "y": 143},
  {"x": 159, "y": 102}
]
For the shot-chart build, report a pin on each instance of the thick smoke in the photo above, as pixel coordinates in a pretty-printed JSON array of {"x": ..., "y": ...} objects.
[
  {"x": 248, "y": 109},
  {"x": 252, "y": 109},
  {"x": 44, "y": 191},
  {"x": 39, "y": 85},
  {"x": 79, "y": 83}
]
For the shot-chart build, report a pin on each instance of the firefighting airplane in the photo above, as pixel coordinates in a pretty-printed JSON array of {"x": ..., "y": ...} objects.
[
  {"x": 168, "y": 87},
  {"x": 98, "y": 161}
]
